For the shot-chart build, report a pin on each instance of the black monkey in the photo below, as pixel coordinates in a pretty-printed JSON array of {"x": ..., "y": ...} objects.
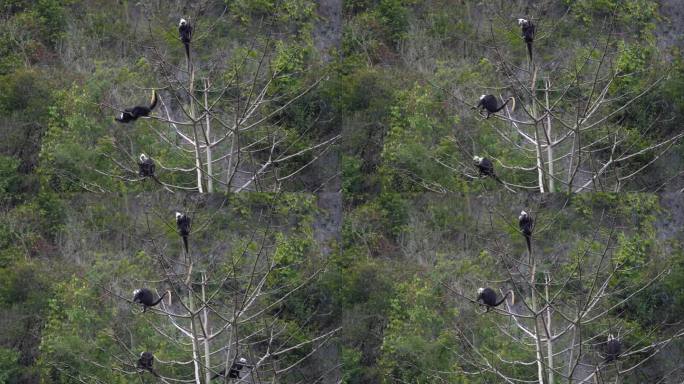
[
  {"x": 234, "y": 371},
  {"x": 613, "y": 348},
  {"x": 526, "y": 223},
  {"x": 489, "y": 103},
  {"x": 145, "y": 297},
  {"x": 528, "y": 29},
  {"x": 146, "y": 166},
  {"x": 145, "y": 362},
  {"x": 487, "y": 296},
  {"x": 486, "y": 168},
  {"x": 183, "y": 224},
  {"x": 185, "y": 31},
  {"x": 132, "y": 114}
]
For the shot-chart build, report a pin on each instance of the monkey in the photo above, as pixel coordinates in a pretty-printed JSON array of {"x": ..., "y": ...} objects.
[
  {"x": 132, "y": 114},
  {"x": 145, "y": 363},
  {"x": 146, "y": 166},
  {"x": 489, "y": 103},
  {"x": 486, "y": 168},
  {"x": 234, "y": 371},
  {"x": 487, "y": 296},
  {"x": 528, "y": 29},
  {"x": 145, "y": 297},
  {"x": 183, "y": 224},
  {"x": 526, "y": 223},
  {"x": 613, "y": 348},
  {"x": 185, "y": 31}
]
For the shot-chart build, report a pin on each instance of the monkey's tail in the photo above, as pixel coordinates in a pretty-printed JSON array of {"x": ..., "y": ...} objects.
[
  {"x": 187, "y": 53},
  {"x": 160, "y": 299},
  {"x": 506, "y": 102},
  {"x": 528, "y": 239},
  {"x": 153, "y": 372},
  {"x": 529, "y": 51},
  {"x": 504, "y": 298},
  {"x": 185, "y": 243},
  {"x": 153, "y": 103}
]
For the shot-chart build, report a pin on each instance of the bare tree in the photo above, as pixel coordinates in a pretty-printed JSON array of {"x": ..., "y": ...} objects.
[
  {"x": 565, "y": 306},
  {"x": 228, "y": 297},
  {"x": 569, "y": 124},
  {"x": 224, "y": 116}
]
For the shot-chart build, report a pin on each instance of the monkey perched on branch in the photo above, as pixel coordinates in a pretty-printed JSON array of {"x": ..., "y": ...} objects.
[
  {"x": 145, "y": 297},
  {"x": 487, "y": 296},
  {"x": 132, "y": 114},
  {"x": 145, "y": 363}
]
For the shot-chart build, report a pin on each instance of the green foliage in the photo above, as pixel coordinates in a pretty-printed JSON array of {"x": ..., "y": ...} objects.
[
  {"x": 638, "y": 15},
  {"x": 25, "y": 92},
  {"x": 351, "y": 370},
  {"x": 352, "y": 176},
  {"x": 630, "y": 257},
  {"x": 288, "y": 256},
  {"x": 25, "y": 287},
  {"x": 8, "y": 364},
  {"x": 23, "y": 283},
  {"x": 377, "y": 29},
  {"x": 416, "y": 138},
  {"x": 400, "y": 93},
  {"x": 633, "y": 59},
  {"x": 296, "y": 13},
  {"x": 394, "y": 16},
  {"x": 288, "y": 62},
  {"x": 51, "y": 16},
  {"x": 393, "y": 208},
  {"x": 9, "y": 177},
  {"x": 32, "y": 28},
  {"x": 417, "y": 340}
]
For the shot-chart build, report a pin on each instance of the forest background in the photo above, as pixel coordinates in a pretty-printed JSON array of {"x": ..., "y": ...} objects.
[{"x": 335, "y": 139}]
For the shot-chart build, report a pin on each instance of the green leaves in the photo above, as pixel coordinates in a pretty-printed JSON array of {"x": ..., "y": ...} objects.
[{"x": 8, "y": 364}]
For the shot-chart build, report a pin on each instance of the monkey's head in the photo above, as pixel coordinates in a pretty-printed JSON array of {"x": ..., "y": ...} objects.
[
  {"x": 522, "y": 22},
  {"x": 480, "y": 290},
  {"x": 523, "y": 214},
  {"x": 182, "y": 22},
  {"x": 143, "y": 157},
  {"x": 178, "y": 215},
  {"x": 146, "y": 359},
  {"x": 611, "y": 337},
  {"x": 242, "y": 360},
  {"x": 482, "y": 97},
  {"x": 477, "y": 160},
  {"x": 136, "y": 293}
]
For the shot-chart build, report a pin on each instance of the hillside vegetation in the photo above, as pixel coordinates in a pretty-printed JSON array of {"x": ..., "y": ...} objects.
[{"x": 340, "y": 228}]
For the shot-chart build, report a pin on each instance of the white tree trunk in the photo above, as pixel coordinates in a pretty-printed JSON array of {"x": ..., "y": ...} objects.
[
  {"x": 549, "y": 333},
  {"x": 549, "y": 140},
  {"x": 198, "y": 161},
  {"x": 207, "y": 137},
  {"x": 207, "y": 332},
  {"x": 537, "y": 333},
  {"x": 195, "y": 346},
  {"x": 537, "y": 147}
]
